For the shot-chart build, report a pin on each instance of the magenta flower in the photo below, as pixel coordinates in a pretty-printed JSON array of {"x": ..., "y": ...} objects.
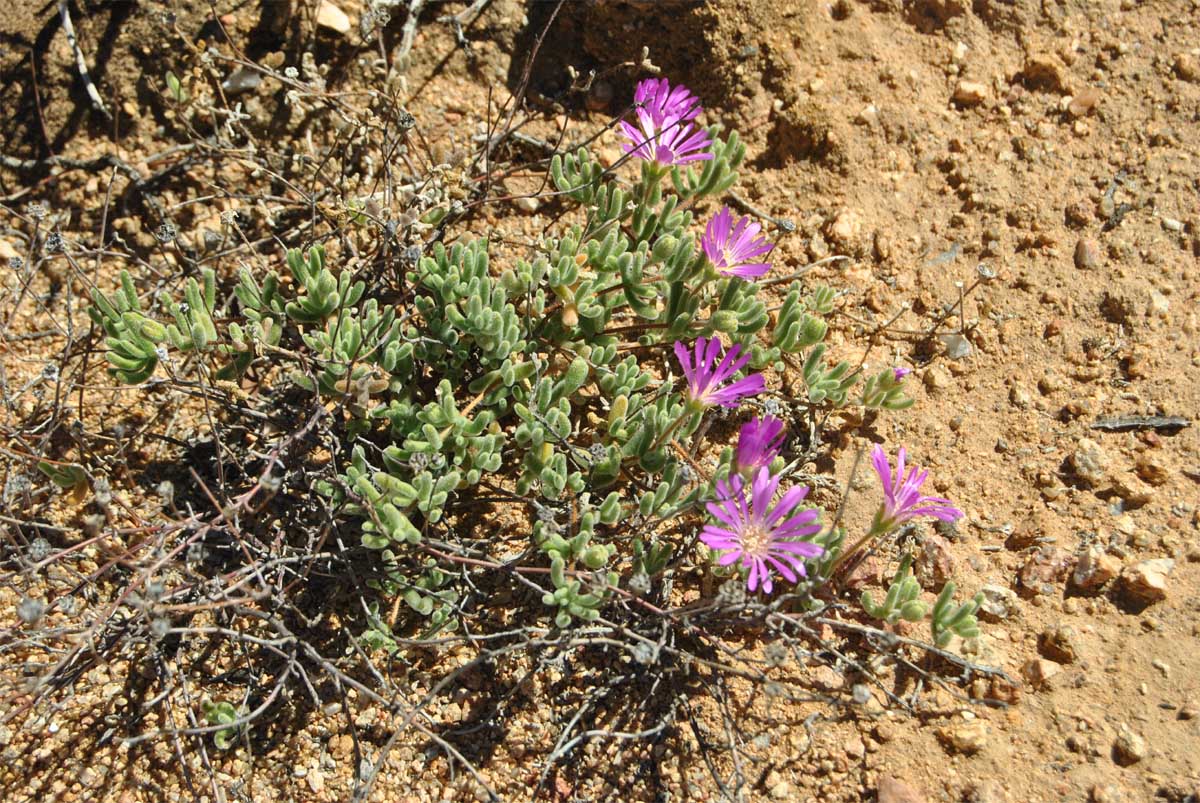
[
  {"x": 732, "y": 247},
  {"x": 661, "y": 102},
  {"x": 664, "y": 134},
  {"x": 758, "y": 443},
  {"x": 760, "y": 535},
  {"x": 902, "y": 498},
  {"x": 900, "y": 373},
  {"x": 705, "y": 375}
]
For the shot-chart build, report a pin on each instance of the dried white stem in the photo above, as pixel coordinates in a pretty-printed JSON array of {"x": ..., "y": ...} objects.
[{"x": 80, "y": 63}]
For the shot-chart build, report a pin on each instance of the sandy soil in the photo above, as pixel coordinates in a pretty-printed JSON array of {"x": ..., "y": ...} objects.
[{"x": 1054, "y": 144}]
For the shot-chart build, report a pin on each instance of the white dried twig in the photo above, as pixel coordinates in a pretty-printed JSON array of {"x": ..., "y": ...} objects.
[{"x": 93, "y": 93}]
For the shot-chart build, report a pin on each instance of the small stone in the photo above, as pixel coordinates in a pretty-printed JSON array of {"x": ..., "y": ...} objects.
[
  {"x": 1150, "y": 468},
  {"x": 1053, "y": 328},
  {"x": 781, "y": 791},
  {"x": 892, "y": 790},
  {"x": 1129, "y": 747},
  {"x": 1187, "y": 67},
  {"x": 1089, "y": 462},
  {"x": 827, "y": 678},
  {"x": 885, "y": 732},
  {"x": 1079, "y": 214},
  {"x": 1190, "y": 710},
  {"x": 989, "y": 791},
  {"x": 970, "y": 93},
  {"x": 998, "y": 602},
  {"x": 845, "y": 231},
  {"x": 1087, "y": 253},
  {"x": 1132, "y": 489},
  {"x": 1019, "y": 397},
  {"x": 936, "y": 378},
  {"x": 331, "y": 17},
  {"x": 1084, "y": 102},
  {"x": 316, "y": 781},
  {"x": 968, "y": 736},
  {"x": 243, "y": 79},
  {"x": 1095, "y": 568},
  {"x": 527, "y": 204},
  {"x": 868, "y": 116},
  {"x": 1044, "y": 569},
  {"x": 1147, "y": 581},
  {"x": 1058, "y": 644},
  {"x": 935, "y": 563},
  {"x": 1039, "y": 672}
]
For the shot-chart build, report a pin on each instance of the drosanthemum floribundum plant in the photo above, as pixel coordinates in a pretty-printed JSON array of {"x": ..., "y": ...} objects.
[
  {"x": 900, "y": 372},
  {"x": 902, "y": 499},
  {"x": 706, "y": 377},
  {"x": 733, "y": 247},
  {"x": 664, "y": 134},
  {"x": 759, "y": 535},
  {"x": 758, "y": 444}
]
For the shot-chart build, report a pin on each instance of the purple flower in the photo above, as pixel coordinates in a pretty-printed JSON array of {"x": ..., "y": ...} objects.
[
  {"x": 731, "y": 247},
  {"x": 758, "y": 443},
  {"x": 705, "y": 375},
  {"x": 900, "y": 373},
  {"x": 661, "y": 102},
  {"x": 664, "y": 134},
  {"x": 902, "y": 498},
  {"x": 760, "y": 535}
]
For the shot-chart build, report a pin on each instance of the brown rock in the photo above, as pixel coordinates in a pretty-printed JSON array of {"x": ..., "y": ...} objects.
[
  {"x": 1087, "y": 253},
  {"x": 1129, "y": 747},
  {"x": 1150, "y": 468},
  {"x": 892, "y": 790},
  {"x": 869, "y": 572},
  {"x": 1039, "y": 672},
  {"x": 970, "y": 93},
  {"x": 1084, "y": 102},
  {"x": 965, "y": 736},
  {"x": 1147, "y": 581},
  {"x": 331, "y": 17},
  {"x": 1095, "y": 568},
  {"x": 845, "y": 231},
  {"x": 1044, "y": 569},
  {"x": 935, "y": 563},
  {"x": 937, "y": 378},
  {"x": 998, "y": 603},
  {"x": 1089, "y": 461},
  {"x": 1132, "y": 489},
  {"x": 1058, "y": 643},
  {"x": 1187, "y": 67}
]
